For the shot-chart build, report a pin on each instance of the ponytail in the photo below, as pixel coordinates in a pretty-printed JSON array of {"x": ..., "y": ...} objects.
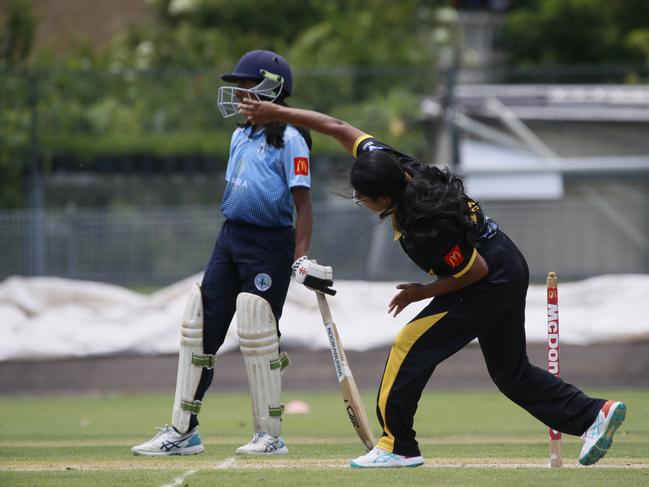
[{"x": 434, "y": 202}]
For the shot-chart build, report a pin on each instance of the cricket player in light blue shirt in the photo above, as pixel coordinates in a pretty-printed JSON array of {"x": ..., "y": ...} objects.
[
  {"x": 268, "y": 174},
  {"x": 261, "y": 179}
]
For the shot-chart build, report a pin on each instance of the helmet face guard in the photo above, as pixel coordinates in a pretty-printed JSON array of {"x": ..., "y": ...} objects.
[{"x": 268, "y": 89}]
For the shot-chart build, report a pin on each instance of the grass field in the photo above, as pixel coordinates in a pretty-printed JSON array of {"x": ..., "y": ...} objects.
[{"x": 467, "y": 438}]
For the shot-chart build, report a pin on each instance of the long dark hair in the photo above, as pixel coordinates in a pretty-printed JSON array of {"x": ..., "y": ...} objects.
[
  {"x": 275, "y": 130},
  {"x": 426, "y": 200}
]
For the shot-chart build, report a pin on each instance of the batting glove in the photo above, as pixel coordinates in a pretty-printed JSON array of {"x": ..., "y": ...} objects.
[{"x": 313, "y": 275}]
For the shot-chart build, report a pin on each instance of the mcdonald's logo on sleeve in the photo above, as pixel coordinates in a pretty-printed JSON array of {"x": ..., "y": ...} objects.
[
  {"x": 454, "y": 258},
  {"x": 301, "y": 166}
]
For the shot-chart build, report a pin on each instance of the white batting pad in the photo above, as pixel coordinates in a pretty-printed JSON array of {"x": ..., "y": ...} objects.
[
  {"x": 191, "y": 361},
  {"x": 260, "y": 349}
]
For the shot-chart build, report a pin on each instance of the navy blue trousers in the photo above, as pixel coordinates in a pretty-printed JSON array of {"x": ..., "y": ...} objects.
[{"x": 246, "y": 258}]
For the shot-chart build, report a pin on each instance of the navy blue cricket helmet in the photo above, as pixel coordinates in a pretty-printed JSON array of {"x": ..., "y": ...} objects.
[{"x": 252, "y": 63}]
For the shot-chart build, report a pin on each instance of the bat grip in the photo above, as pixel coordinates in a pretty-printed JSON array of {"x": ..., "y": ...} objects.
[
  {"x": 321, "y": 289},
  {"x": 329, "y": 291}
]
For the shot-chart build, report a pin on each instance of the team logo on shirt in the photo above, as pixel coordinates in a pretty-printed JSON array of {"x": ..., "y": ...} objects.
[
  {"x": 301, "y": 166},
  {"x": 454, "y": 258},
  {"x": 263, "y": 282}
]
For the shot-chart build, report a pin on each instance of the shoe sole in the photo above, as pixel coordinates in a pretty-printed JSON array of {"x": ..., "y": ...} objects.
[
  {"x": 601, "y": 446},
  {"x": 186, "y": 451},
  {"x": 358, "y": 465},
  {"x": 262, "y": 453}
]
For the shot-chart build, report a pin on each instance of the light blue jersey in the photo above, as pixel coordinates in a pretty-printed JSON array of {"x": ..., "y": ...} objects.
[{"x": 259, "y": 177}]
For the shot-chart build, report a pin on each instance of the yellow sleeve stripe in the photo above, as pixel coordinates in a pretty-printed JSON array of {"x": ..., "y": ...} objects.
[
  {"x": 358, "y": 141},
  {"x": 468, "y": 266}
]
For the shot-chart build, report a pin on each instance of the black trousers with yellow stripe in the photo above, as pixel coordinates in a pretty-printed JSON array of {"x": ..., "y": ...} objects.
[{"x": 492, "y": 310}]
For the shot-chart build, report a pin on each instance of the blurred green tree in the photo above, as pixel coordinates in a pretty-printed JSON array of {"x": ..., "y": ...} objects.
[
  {"x": 577, "y": 32},
  {"x": 343, "y": 53},
  {"x": 151, "y": 92},
  {"x": 17, "y": 31}
]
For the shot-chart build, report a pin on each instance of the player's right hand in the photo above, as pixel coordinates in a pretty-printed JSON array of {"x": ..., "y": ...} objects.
[
  {"x": 258, "y": 112},
  {"x": 410, "y": 293},
  {"x": 313, "y": 275}
]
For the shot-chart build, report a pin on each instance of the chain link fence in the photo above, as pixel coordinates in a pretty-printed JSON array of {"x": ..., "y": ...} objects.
[{"x": 575, "y": 236}]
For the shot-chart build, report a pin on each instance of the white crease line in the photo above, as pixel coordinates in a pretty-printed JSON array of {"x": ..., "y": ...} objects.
[
  {"x": 302, "y": 464},
  {"x": 226, "y": 464},
  {"x": 180, "y": 479},
  {"x": 230, "y": 462}
]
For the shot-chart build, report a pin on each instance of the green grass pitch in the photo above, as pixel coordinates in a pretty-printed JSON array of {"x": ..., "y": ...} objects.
[{"x": 467, "y": 438}]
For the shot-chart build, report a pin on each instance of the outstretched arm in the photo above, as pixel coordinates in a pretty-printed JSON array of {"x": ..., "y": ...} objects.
[{"x": 260, "y": 112}]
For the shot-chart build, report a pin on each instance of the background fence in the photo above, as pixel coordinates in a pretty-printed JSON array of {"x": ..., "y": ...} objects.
[
  {"x": 578, "y": 236},
  {"x": 123, "y": 174}
]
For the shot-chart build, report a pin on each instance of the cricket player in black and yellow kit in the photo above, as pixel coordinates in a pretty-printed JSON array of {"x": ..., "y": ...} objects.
[{"x": 481, "y": 281}]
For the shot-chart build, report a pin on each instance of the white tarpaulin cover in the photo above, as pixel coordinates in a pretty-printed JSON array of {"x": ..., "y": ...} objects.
[{"x": 53, "y": 317}]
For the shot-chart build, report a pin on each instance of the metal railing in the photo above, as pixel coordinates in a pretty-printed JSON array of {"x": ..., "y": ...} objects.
[{"x": 152, "y": 247}]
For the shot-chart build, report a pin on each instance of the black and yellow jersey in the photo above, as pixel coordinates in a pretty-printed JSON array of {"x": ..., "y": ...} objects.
[
  {"x": 442, "y": 255},
  {"x": 366, "y": 143},
  {"x": 446, "y": 253}
]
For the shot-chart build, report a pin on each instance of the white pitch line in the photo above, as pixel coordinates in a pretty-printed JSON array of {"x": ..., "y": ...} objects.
[
  {"x": 231, "y": 463},
  {"x": 180, "y": 479},
  {"x": 534, "y": 465},
  {"x": 432, "y": 465},
  {"x": 226, "y": 464}
]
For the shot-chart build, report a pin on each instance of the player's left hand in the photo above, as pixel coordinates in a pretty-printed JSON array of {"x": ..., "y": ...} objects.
[
  {"x": 258, "y": 112},
  {"x": 410, "y": 293}
]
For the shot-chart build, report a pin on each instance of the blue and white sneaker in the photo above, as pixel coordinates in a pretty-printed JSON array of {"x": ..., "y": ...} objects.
[
  {"x": 599, "y": 437},
  {"x": 378, "y": 458},
  {"x": 168, "y": 441},
  {"x": 263, "y": 444}
]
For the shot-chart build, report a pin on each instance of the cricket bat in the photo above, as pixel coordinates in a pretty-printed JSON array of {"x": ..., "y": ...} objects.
[{"x": 351, "y": 396}]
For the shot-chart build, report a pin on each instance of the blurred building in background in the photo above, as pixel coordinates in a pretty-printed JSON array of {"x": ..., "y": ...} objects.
[{"x": 64, "y": 23}]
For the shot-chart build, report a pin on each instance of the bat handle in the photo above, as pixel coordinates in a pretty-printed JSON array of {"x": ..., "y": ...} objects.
[{"x": 325, "y": 311}]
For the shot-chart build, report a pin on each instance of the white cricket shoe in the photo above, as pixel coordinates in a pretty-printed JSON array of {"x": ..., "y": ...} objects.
[
  {"x": 378, "y": 458},
  {"x": 263, "y": 444},
  {"x": 599, "y": 437},
  {"x": 168, "y": 441}
]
